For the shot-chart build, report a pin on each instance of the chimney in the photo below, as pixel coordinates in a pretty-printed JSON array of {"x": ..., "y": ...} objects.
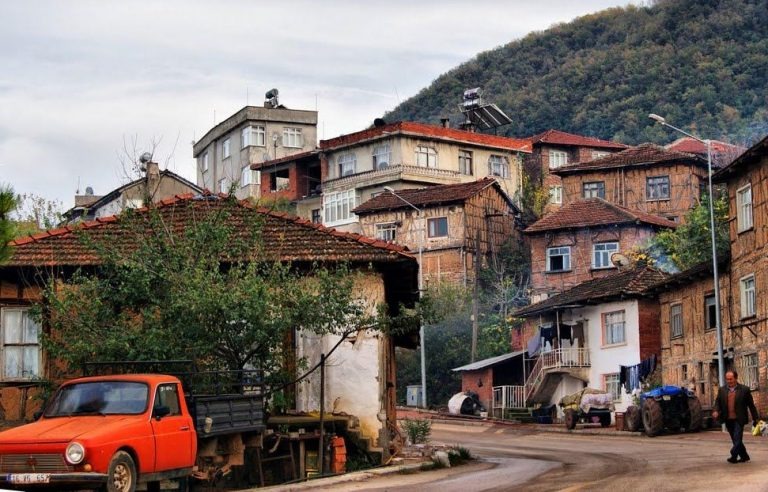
[
  {"x": 152, "y": 170},
  {"x": 445, "y": 122}
]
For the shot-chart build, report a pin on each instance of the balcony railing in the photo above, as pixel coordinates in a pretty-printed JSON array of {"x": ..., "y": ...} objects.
[
  {"x": 391, "y": 173},
  {"x": 508, "y": 397}
]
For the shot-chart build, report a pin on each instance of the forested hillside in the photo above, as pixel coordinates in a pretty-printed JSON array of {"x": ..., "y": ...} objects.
[{"x": 703, "y": 64}]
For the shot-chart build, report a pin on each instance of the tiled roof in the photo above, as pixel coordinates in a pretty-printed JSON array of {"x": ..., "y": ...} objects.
[
  {"x": 595, "y": 212},
  {"x": 556, "y": 137},
  {"x": 289, "y": 158},
  {"x": 284, "y": 237},
  {"x": 492, "y": 361},
  {"x": 642, "y": 155},
  {"x": 630, "y": 283},
  {"x": 753, "y": 154},
  {"x": 686, "y": 277},
  {"x": 427, "y": 131},
  {"x": 430, "y": 196},
  {"x": 693, "y": 146}
]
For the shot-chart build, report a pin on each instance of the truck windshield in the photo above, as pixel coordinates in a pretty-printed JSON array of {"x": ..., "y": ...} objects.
[{"x": 99, "y": 398}]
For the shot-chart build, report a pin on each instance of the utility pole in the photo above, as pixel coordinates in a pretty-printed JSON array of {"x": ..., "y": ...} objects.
[{"x": 476, "y": 299}]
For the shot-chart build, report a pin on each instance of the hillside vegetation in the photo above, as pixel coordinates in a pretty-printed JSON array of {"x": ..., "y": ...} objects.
[{"x": 702, "y": 64}]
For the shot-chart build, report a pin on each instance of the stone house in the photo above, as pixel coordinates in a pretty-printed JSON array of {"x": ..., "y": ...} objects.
[
  {"x": 583, "y": 335},
  {"x": 358, "y": 166},
  {"x": 554, "y": 149},
  {"x": 360, "y": 375},
  {"x": 153, "y": 187},
  {"x": 458, "y": 220},
  {"x": 575, "y": 243},
  {"x": 647, "y": 178}
]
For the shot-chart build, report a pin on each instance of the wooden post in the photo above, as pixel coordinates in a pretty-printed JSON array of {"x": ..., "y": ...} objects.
[
  {"x": 476, "y": 298},
  {"x": 321, "y": 448}
]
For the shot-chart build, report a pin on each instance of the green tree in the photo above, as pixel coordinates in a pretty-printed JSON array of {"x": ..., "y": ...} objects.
[
  {"x": 208, "y": 293},
  {"x": 35, "y": 213},
  {"x": 8, "y": 203},
  {"x": 691, "y": 242}
]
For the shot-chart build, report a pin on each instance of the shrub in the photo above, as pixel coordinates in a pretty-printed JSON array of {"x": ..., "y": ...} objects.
[{"x": 417, "y": 430}]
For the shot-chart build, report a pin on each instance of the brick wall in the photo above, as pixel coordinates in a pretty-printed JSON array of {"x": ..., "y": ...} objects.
[{"x": 471, "y": 381}]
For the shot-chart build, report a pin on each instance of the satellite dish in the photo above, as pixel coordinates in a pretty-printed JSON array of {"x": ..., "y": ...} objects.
[
  {"x": 379, "y": 122},
  {"x": 620, "y": 260},
  {"x": 88, "y": 190},
  {"x": 145, "y": 157}
]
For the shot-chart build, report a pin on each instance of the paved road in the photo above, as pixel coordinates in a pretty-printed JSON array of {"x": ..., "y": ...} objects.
[{"x": 515, "y": 458}]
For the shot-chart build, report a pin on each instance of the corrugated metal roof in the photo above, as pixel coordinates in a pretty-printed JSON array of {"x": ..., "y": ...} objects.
[{"x": 488, "y": 362}]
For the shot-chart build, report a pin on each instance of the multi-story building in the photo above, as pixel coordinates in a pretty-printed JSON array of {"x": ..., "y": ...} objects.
[
  {"x": 358, "y": 166},
  {"x": 554, "y": 149},
  {"x": 226, "y": 153},
  {"x": 575, "y": 243},
  {"x": 647, "y": 178}
]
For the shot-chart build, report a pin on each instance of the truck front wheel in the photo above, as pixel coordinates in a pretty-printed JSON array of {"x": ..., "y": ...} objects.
[{"x": 121, "y": 476}]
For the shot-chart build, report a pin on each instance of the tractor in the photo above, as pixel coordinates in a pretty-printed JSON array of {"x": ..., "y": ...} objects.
[{"x": 666, "y": 407}]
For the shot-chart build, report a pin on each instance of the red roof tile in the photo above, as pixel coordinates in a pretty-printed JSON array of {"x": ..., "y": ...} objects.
[
  {"x": 556, "y": 137},
  {"x": 630, "y": 283},
  {"x": 284, "y": 237},
  {"x": 428, "y": 131},
  {"x": 642, "y": 155},
  {"x": 693, "y": 146},
  {"x": 754, "y": 154},
  {"x": 594, "y": 212},
  {"x": 433, "y": 195}
]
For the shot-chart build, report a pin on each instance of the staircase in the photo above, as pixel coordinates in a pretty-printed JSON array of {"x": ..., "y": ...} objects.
[{"x": 542, "y": 381}]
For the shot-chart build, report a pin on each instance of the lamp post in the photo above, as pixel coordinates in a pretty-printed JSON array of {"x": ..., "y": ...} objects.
[
  {"x": 718, "y": 319},
  {"x": 421, "y": 290}
]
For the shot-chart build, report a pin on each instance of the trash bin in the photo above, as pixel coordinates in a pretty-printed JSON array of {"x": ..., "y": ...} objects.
[{"x": 619, "y": 417}]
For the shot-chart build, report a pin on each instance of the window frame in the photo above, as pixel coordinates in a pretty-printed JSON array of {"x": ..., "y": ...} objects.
[
  {"x": 251, "y": 135},
  {"x": 600, "y": 189},
  {"x": 204, "y": 164},
  {"x": 224, "y": 185},
  {"x": 556, "y": 194},
  {"x": 316, "y": 215},
  {"x": 435, "y": 231},
  {"x": 22, "y": 344},
  {"x": 292, "y": 137},
  {"x": 557, "y": 158},
  {"x": 562, "y": 251},
  {"x": 466, "y": 162},
  {"x": 428, "y": 154},
  {"x": 676, "y": 329},
  {"x": 377, "y": 153},
  {"x": 608, "y": 327},
  {"x": 344, "y": 160},
  {"x": 655, "y": 183},
  {"x": 226, "y": 148},
  {"x": 337, "y": 207},
  {"x": 386, "y": 231},
  {"x": 599, "y": 154},
  {"x": 750, "y": 369},
  {"x": 744, "y": 210},
  {"x": 744, "y": 291},
  {"x": 710, "y": 320},
  {"x": 254, "y": 176},
  {"x": 498, "y": 165},
  {"x": 613, "y": 379},
  {"x": 602, "y": 254}
]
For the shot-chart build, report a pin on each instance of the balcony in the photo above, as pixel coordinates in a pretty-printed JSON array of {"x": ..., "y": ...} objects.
[{"x": 398, "y": 172}]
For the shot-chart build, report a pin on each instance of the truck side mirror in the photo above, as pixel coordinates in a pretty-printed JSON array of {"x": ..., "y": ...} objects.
[{"x": 161, "y": 411}]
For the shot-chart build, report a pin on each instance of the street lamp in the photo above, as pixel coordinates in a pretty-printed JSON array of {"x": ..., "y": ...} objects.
[
  {"x": 421, "y": 291},
  {"x": 718, "y": 320}
]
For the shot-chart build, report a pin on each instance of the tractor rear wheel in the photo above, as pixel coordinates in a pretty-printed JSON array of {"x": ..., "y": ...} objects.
[
  {"x": 696, "y": 416},
  {"x": 632, "y": 418},
  {"x": 570, "y": 419},
  {"x": 653, "y": 418}
]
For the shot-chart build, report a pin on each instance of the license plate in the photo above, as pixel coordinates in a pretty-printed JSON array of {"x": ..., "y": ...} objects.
[
  {"x": 29, "y": 477},
  {"x": 666, "y": 397}
]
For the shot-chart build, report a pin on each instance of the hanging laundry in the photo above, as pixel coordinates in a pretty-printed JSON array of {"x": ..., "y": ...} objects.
[
  {"x": 566, "y": 333},
  {"x": 534, "y": 344},
  {"x": 548, "y": 333},
  {"x": 578, "y": 332}
]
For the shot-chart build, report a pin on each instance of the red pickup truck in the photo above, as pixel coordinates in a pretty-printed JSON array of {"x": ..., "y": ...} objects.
[{"x": 115, "y": 431}]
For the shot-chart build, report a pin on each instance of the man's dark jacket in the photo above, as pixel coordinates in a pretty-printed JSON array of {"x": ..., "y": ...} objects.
[{"x": 743, "y": 402}]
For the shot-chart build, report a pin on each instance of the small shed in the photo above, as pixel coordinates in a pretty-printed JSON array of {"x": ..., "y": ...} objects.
[{"x": 483, "y": 375}]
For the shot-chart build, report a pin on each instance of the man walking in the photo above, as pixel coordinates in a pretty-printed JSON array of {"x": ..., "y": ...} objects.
[{"x": 731, "y": 406}]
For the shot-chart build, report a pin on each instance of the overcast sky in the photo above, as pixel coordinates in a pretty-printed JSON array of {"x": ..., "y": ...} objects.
[{"x": 80, "y": 77}]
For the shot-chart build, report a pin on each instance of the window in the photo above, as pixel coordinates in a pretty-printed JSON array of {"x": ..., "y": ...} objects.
[
  {"x": 225, "y": 149},
  {"x": 21, "y": 348},
  {"x": 612, "y": 386},
  {"x": 601, "y": 254},
  {"x": 747, "y": 287},
  {"x": 595, "y": 189},
  {"x": 292, "y": 137},
  {"x": 749, "y": 370},
  {"x": 744, "y": 208},
  {"x": 279, "y": 180},
  {"x": 346, "y": 164},
  {"x": 204, "y": 162},
  {"x": 559, "y": 259},
  {"x": 465, "y": 162},
  {"x": 254, "y": 135},
  {"x": 437, "y": 227},
  {"x": 426, "y": 156},
  {"x": 557, "y": 158},
  {"x": 168, "y": 396},
  {"x": 498, "y": 166},
  {"x": 657, "y": 188},
  {"x": 556, "y": 194},
  {"x": 224, "y": 185},
  {"x": 597, "y": 154},
  {"x": 381, "y": 156},
  {"x": 613, "y": 328},
  {"x": 676, "y": 320},
  {"x": 249, "y": 176},
  {"x": 316, "y": 216},
  {"x": 339, "y": 205},
  {"x": 386, "y": 232},
  {"x": 710, "y": 313}
]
